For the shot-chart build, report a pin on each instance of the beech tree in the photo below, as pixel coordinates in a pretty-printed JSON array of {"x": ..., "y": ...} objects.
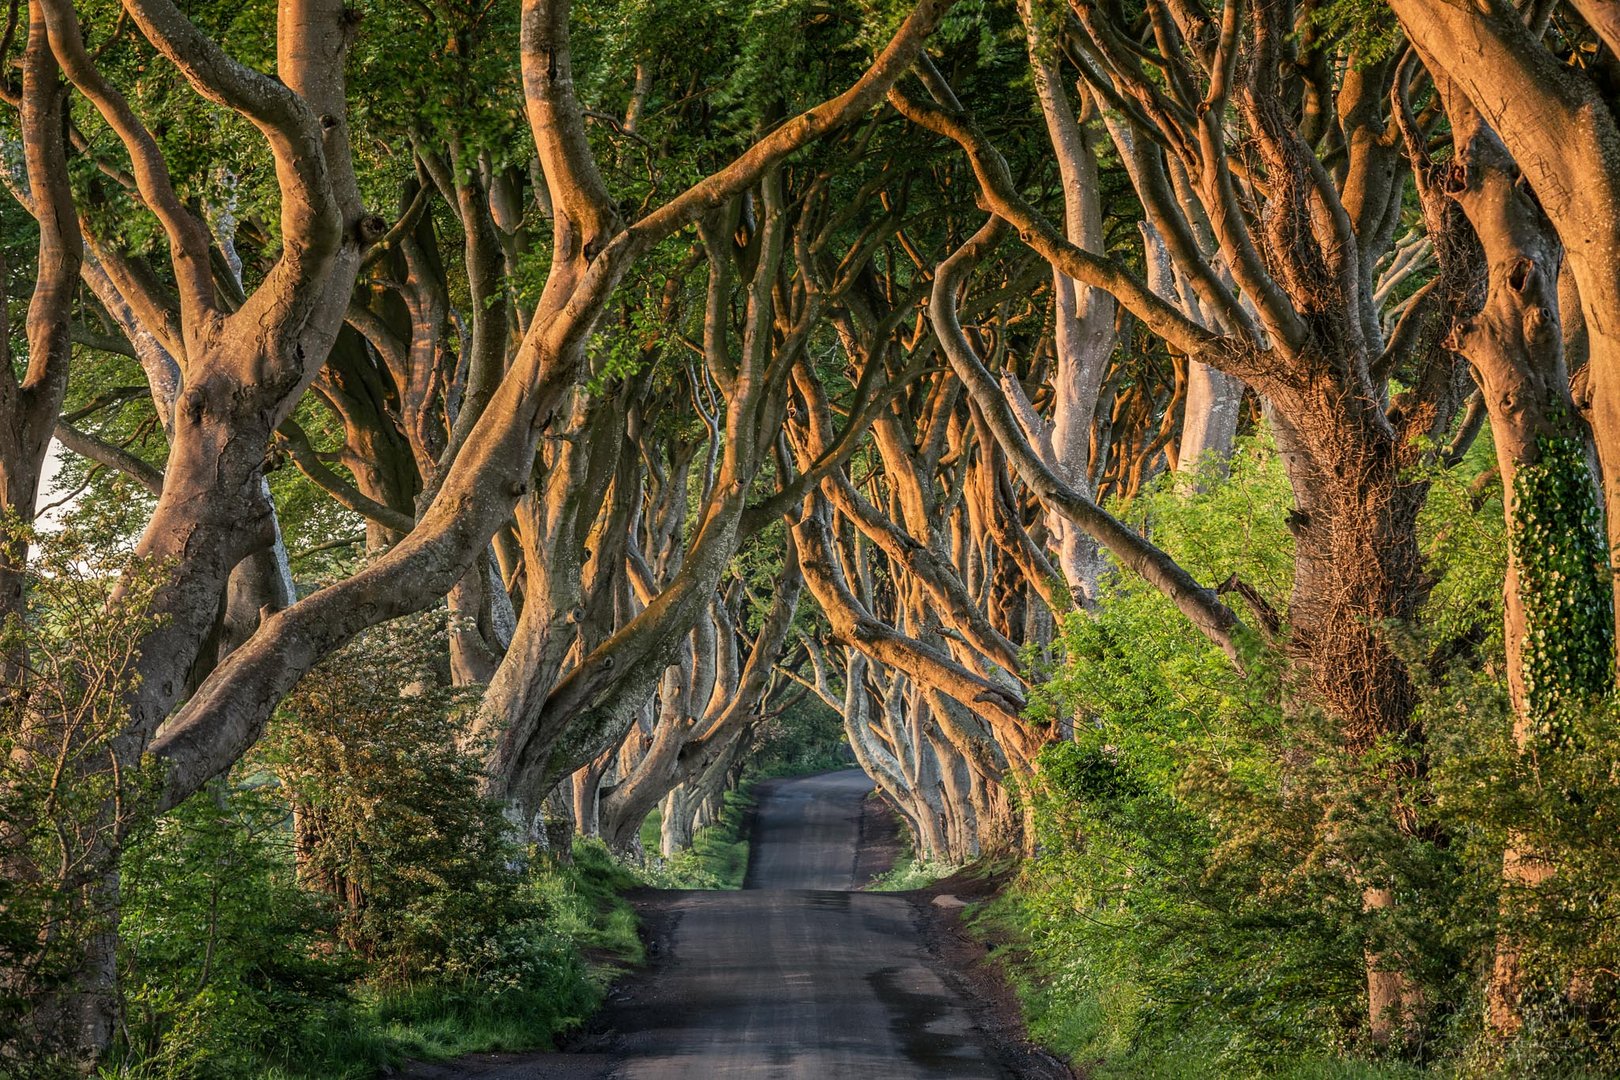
[
  {"x": 1545, "y": 312},
  {"x": 244, "y": 365},
  {"x": 30, "y": 406},
  {"x": 1286, "y": 271},
  {"x": 1558, "y": 123},
  {"x": 698, "y": 366}
]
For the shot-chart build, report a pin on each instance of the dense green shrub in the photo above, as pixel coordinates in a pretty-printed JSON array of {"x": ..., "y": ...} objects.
[
  {"x": 348, "y": 898},
  {"x": 67, "y": 793},
  {"x": 223, "y": 955},
  {"x": 1192, "y": 907},
  {"x": 426, "y": 884}
]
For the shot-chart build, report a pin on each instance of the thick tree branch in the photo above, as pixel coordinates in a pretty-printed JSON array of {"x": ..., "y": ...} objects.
[
  {"x": 1213, "y": 618},
  {"x": 996, "y": 184},
  {"x": 112, "y": 456}
]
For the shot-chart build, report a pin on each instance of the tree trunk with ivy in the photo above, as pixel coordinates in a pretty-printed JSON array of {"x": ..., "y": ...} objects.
[
  {"x": 1561, "y": 125},
  {"x": 1558, "y": 628}
]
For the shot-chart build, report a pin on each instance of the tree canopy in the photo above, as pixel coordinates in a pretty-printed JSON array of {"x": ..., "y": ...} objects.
[{"x": 1172, "y": 440}]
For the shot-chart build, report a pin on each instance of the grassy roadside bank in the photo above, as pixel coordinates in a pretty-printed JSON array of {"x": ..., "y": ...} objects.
[
  {"x": 1082, "y": 1012},
  {"x": 1078, "y": 1010},
  {"x": 1077, "y": 1001},
  {"x": 909, "y": 872},
  {"x": 593, "y": 938},
  {"x": 586, "y": 936}
]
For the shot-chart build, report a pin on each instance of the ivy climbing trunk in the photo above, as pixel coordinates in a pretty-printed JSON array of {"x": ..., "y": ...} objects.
[
  {"x": 1558, "y": 629},
  {"x": 1559, "y": 122}
]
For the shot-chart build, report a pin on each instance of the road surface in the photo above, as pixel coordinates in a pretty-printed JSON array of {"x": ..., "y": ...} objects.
[{"x": 796, "y": 977}]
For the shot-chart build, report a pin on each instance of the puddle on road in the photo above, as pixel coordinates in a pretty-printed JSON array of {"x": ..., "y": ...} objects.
[{"x": 911, "y": 1012}]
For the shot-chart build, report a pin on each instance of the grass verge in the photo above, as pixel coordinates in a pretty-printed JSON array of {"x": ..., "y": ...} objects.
[
  {"x": 1090, "y": 1021},
  {"x": 590, "y": 936},
  {"x": 909, "y": 872},
  {"x": 718, "y": 857}
]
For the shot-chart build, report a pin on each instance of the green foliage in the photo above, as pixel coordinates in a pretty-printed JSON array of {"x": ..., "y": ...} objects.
[
  {"x": 349, "y": 898},
  {"x": 1465, "y": 544},
  {"x": 232, "y": 969},
  {"x": 1557, "y": 543},
  {"x": 223, "y": 955},
  {"x": 1563, "y": 802},
  {"x": 584, "y": 899},
  {"x": 1180, "y": 873},
  {"x": 1366, "y": 29},
  {"x": 909, "y": 872},
  {"x": 390, "y": 820},
  {"x": 68, "y": 786},
  {"x": 1191, "y": 908}
]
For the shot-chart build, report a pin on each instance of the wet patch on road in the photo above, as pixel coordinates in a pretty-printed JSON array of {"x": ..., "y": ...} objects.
[{"x": 913, "y": 1015}]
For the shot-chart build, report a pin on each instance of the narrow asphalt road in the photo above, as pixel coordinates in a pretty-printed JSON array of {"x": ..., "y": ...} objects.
[{"x": 796, "y": 977}]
